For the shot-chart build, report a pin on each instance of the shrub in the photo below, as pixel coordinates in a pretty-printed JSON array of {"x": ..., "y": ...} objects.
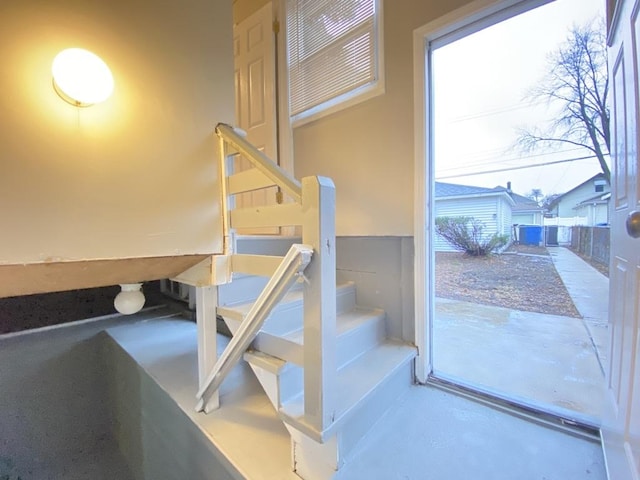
[{"x": 466, "y": 234}]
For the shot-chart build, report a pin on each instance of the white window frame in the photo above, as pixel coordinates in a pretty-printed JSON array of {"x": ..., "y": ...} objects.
[
  {"x": 470, "y": 18},
  {"x": 347, "y": 99}
]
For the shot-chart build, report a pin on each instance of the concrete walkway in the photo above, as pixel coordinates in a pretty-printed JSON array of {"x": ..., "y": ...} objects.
[
  {"x": 549, "y": 361},
  {"x": 589, "y": 290}
]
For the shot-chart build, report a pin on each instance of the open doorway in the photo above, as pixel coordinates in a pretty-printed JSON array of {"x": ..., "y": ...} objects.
[{"x": 525, "y": 323}]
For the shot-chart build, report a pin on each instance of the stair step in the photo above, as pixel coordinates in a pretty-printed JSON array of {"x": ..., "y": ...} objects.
[
  {"x": 366, "y": 386},
  {"x": 244, "y": 288},
  {"x": 287, "y": 316},
  {"x": 358, "y": 331}
]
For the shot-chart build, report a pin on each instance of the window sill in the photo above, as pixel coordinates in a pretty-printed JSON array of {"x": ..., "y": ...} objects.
[{"x": 350, "y": 99}]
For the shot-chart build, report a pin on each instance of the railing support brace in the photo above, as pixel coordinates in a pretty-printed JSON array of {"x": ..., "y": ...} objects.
[
  {"x": 320, "y": 364},
  {"x": 206, "y": 302},
  {"x": 287, "y": 273}
]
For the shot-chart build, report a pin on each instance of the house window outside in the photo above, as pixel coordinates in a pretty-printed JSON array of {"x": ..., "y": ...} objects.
[
  {"x": 599, "y": 184},
  {"x": 334, "y": 58}
]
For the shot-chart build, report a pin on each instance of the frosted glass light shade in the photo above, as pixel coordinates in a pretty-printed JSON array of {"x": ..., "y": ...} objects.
[
  {"x": 130, "y": 299},
  {"x": 81, "y": 77}
]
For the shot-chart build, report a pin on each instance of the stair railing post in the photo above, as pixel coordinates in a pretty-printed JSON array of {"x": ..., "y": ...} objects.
[{"x": 320, "y": 363}]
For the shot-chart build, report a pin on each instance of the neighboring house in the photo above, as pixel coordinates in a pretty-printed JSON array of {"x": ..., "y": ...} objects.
[
  {"x": 492, "y": 206},
  {"x": 595, "y": 209},
  {"x": 525, "y": 211},
  {"x": 589, "y": 200}
]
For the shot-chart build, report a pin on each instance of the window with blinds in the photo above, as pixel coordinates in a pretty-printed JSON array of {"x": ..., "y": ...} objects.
[{"x": 332, "y": 52}]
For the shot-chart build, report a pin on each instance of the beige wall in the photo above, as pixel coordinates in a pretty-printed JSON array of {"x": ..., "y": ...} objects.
[
  {"x": 368, "y": 149},
  {"x": 136, "y": 175},
  {"x": 244, "y": 8}
]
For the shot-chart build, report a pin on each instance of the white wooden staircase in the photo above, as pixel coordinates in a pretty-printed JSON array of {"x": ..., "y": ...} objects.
[{"x": 325, "y": 362}]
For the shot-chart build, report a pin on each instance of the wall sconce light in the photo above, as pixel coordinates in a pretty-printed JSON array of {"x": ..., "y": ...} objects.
[
  {"x": 81, "y": 77},
  {"x": 130, "y": 299}
]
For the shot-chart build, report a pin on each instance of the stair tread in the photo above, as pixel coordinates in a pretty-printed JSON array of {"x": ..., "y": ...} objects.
[
  {"x": 355, "y": 382},
  {"x": 239, "y": 310},
  {"x": 344, "y": 322}
]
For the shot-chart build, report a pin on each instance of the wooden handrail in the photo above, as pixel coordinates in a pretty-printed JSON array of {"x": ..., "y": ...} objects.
[
  {"x": 314, "y": 211},
  {"x": 259, "y": 160}
]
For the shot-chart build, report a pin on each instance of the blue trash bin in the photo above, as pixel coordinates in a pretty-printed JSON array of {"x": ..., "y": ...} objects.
[{"x": 530, "y": 234}]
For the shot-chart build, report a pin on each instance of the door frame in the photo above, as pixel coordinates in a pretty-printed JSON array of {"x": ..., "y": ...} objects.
[
  {"x": 470, "y": 18},
  {"x": 283, "y": 117}
]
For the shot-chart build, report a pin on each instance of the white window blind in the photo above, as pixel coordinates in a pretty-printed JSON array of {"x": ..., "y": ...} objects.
[{"x": 331, "y": 50}]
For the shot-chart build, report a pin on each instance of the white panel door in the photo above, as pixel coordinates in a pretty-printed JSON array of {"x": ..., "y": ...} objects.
[
  {"x": 254, "y": 57},
  {"x": 621, "y": 420}
]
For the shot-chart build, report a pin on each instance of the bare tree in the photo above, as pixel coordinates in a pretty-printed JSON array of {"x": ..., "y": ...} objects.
[
  {"x": 536, "y": 195},
  {"x": 577, "y": 81}
]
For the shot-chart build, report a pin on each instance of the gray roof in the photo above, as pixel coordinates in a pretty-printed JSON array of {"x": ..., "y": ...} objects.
[
  {"x": 522, "y": 204},
  {"x": 455, "y": 190},
  {"x": 600, "y": 198}
]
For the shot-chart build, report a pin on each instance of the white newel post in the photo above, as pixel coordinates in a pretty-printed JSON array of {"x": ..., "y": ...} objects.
[
  {"x": 320, "y": 365},
  {"x": 206, "y": 302}
]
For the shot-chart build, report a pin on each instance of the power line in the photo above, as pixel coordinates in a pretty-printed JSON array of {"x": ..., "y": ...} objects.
[
  {"x": 516, "y": 168},
  {"x": 504, "y": 160},
  {"x": 496, "y": 111}
]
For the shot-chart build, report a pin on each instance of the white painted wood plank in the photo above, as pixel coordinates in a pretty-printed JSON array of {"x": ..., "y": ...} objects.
[
  {"x": 267, "y": 216},
  {"x": 206, "y": 302},
  {"x": 225, "y": 201},
  {"x": 262, "y": 265},
  {"x": 320, "y": 352},
  {"x": 247, "y": 181}
]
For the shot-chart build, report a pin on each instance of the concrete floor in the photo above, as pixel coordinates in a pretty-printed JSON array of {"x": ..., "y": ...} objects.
[
  {"x": 429, "y": 434},
  {"x": 548, "y": 361},
  {"x": 55, "y": 420}
]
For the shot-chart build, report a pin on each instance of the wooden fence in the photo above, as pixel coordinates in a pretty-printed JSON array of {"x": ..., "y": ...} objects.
[{"x": 593, "y": 242}]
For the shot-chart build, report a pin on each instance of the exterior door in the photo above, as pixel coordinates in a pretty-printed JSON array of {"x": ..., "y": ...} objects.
[
  {"x": 254, "y": 58},
  {"x": 621, "y": 420}
]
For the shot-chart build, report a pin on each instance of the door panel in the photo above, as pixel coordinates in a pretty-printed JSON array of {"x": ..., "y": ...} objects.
[
  {"x": 254, "y": 56},
  {"x": 621, "y": 420}
]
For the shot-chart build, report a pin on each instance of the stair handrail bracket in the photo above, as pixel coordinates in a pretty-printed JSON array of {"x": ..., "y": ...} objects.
[{"x": 313, "y": 209}]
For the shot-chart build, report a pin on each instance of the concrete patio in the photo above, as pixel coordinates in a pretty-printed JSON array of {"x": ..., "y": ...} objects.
[{"x": 550, "y": 362}]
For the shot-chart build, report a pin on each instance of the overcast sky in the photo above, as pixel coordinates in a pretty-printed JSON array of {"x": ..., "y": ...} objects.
[{"x": 480, "y": 84}]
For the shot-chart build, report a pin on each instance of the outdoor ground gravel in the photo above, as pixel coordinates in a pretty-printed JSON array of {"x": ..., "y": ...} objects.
[{"x": 523, "y": 278}]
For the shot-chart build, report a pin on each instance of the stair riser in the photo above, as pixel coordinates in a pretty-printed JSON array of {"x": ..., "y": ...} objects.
[
  {"x": 387, "y": 394},
  {"x": 316, "y": 461},
  {"x": 288, "y": 317},
  {"x": 291, "y": 383},
  {"x": 354, "y": 342},
  {"x": 243, "y": 288},
  {"x": 350, "y": 344}
]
